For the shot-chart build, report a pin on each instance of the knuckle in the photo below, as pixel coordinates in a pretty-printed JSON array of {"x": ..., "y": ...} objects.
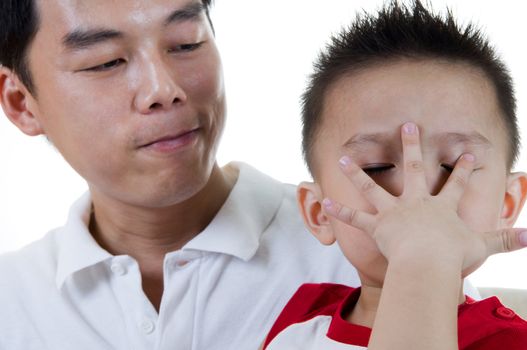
[
  {"x": 410, "y": 140},
  {"x": 459, "y": 180},
  {"x": 351, "y": 216},
  {"x": 414, "y": 166},
  {"x": 367, "y": 186},
  {"x": 338, "y": 210},
  {"x": 504, "y": 241},
  {"x": 508, "y": 243},
  {"x": 425, "y": 200}
]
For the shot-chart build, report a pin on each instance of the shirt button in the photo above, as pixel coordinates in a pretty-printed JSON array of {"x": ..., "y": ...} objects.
[
  {"x": 505, "y": 313},
  {"x": 147, "y": 326},
  {"x": 118, "y": 269}
]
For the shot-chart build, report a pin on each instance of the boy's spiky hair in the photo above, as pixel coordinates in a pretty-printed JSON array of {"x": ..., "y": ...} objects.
[{"x": 399, "y": 31}]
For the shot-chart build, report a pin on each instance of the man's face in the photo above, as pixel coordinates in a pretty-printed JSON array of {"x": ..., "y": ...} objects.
[
  {"x": 456, "y": 111},
  {"x": 131, "y": 93}
]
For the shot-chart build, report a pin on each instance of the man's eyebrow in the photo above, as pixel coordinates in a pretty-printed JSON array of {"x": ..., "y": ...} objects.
[
  {"x": 82, "y": 39},
  {"x": 190, "y": 12}
]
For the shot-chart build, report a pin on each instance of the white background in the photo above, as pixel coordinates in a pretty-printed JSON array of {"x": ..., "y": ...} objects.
[{"x": 267, "y": 49}]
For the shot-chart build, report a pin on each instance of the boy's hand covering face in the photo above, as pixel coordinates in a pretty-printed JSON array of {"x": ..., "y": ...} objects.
[{"x": 416, "y": 225}]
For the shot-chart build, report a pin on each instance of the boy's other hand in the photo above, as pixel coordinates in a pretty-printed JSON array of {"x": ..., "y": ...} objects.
[{"x": 417, "y": 226}]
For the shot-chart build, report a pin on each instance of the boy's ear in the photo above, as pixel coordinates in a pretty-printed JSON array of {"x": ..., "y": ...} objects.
[
  {"x": 309, "y": 197},
  {"x": 14, "y": 98},
  {"x": 515, "y": 196}
]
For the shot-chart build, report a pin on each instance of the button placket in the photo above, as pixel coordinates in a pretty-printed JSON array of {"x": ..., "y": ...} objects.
[
  {"x": 147, "y": 326},
  {"x": 181, "y": 281}
]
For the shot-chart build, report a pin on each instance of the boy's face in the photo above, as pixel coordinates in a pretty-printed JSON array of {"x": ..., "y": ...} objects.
[
  {"x": 131, "y": 93},
  {"x": 456, "y": 111}
]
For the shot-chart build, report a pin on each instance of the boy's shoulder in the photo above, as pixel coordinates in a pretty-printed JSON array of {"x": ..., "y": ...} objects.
[
  {"x": 488, "y": 324},
  {"x": 309, "y": 301}
]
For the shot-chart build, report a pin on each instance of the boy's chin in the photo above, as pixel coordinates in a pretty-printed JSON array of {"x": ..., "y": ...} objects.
[{"x": 373, "y": 279}]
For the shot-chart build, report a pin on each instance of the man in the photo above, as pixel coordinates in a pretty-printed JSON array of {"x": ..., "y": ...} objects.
[{"x": 167, "y": 250}]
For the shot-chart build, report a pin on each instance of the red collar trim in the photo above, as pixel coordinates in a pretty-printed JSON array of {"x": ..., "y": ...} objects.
[{"x": 344, "y": 332}]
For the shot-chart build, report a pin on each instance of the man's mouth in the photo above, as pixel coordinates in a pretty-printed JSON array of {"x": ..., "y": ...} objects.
[{"x": 172, "y": 142}]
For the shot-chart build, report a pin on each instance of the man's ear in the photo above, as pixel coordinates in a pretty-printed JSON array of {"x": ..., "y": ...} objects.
[
  {"x": 309, "y": 198},
  {"x": 14, "y": 98},
  {"x": 515, "y": 196}
]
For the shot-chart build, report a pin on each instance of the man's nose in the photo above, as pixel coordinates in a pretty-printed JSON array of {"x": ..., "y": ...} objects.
[{"x": 158, "y": 88}]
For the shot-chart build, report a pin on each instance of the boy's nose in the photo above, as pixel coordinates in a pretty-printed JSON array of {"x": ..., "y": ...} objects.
[{"x": 436, "y": 176}]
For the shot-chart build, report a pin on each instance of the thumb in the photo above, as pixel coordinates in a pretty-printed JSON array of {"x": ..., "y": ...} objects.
[{"x": 506, "y": 240}]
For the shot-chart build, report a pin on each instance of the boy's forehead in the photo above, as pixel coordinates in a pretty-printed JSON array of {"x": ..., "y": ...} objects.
[{"x": 449, "y": 101}]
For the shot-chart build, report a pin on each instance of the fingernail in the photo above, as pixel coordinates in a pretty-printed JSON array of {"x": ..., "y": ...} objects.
[
  {"x": 523, "y": 238},
  {"x": 345, "y": 161},
  {"x": 327, "y": 203},
  {"x": 409, "y": 128},
  {"x": 469, "y": 157}
]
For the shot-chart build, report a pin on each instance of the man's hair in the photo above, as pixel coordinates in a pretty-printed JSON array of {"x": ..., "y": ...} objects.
[
  {"x": 398, "y": 32},
  {"x": 19, "y": 23}
]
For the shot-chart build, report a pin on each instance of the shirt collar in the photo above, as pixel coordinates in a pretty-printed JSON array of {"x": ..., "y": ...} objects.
[
  {"x": 341, "y": 330},
  {"x": 236, "y": 229},
  {"x": 77, "y": 249},
  {"x": 245, "y": 215}
]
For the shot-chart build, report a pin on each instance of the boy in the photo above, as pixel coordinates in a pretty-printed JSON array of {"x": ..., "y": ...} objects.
[{"x": 421, "y": 214}]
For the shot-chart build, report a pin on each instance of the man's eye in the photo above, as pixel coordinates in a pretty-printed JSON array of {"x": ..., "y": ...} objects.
[
  {"x": 106, "y": 66},
  {"x": 186, "y": 47},
  {"x": 373, "y": 170},
  {"x": 447, "y": 168}
]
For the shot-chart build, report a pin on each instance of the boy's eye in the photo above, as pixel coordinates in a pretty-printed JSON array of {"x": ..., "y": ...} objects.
[
  {"x": 377, "y": 169},
  {"x": 106, "y": 66},
  {"x": 447, "y": 168}
]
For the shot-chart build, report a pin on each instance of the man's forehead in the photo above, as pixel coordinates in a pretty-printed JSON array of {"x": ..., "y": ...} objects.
[{"x": 69, "y": 14}]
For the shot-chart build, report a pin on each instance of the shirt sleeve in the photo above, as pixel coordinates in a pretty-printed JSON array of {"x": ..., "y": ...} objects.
[
  {"x": 509, "y": 338},
  {"x": 310, "y": 300}
]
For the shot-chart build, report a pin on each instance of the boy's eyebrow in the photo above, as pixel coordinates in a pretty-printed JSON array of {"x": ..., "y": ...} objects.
[
  {"x": 80, "y": 39},
  {"x": 473, "y": 138},
  {"x": 361, "y": 139}
]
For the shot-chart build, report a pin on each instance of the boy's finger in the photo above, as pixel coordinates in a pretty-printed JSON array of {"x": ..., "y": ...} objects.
[
  {"x": 506, "y": 240},
  {"x": 356, "y": 218},
  {"x": 414, "y": 173},
  {"x": 374, "y": 193},
  {"x": 457, "y": 181}
]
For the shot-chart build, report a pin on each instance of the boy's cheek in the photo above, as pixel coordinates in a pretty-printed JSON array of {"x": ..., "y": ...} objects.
[
  {"x": 481, "y": 214},
  {"x": 359, "y": 248}
]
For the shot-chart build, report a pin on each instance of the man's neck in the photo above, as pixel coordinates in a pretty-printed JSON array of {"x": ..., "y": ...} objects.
[
  {"x": 148, "y": 234},
  {"x": 143, "y": 232}
]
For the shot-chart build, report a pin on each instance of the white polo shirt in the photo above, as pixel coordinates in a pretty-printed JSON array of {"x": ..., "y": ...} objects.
[{"x": 223, "y": 289}]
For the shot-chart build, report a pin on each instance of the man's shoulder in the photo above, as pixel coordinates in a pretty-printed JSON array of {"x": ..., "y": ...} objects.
[
  {"x": 269, "y": 202},
  {"x": 37, "y": 259}
]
